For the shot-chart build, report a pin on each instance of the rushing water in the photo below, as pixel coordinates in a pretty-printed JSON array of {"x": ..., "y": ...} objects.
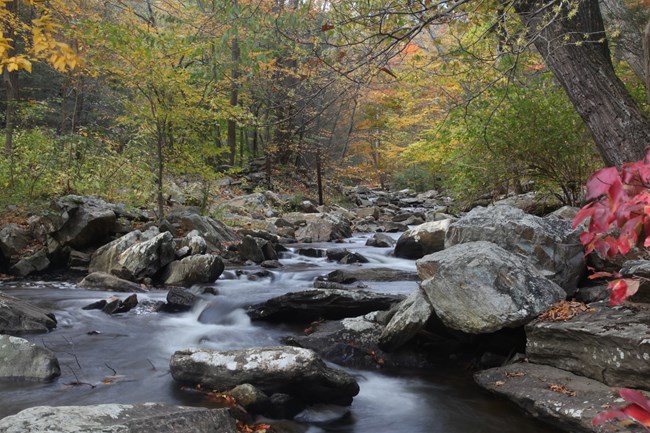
[{"x": 124, "y": 358}]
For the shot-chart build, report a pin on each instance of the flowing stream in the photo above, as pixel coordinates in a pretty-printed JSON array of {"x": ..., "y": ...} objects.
[{"x": 124, "y": 358}]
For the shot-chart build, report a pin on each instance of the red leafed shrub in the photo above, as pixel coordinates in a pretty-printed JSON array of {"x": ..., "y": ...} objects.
[
  {"x": 638, "y": 409},
  {"x": 619, "y": 212}
]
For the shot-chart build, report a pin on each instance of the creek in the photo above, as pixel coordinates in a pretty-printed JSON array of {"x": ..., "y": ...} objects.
[{"x": 124, "y": 358}]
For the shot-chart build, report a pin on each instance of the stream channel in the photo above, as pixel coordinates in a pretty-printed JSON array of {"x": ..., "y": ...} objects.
[{"x": 137, "y": 346}]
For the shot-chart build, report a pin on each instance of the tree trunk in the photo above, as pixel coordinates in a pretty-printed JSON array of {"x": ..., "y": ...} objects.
[
  {"x": 584, "y": 68},
  {"x": 234, "y": 90},
  {"x": 319, "y": 176},
  {"x": 646, "y": 59},
  {"x": 617, "y": 15}
]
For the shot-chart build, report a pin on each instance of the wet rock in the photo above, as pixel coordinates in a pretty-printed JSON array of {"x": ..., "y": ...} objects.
[
  {"x": 107, "y": 257},
  {"x": 117, "y": 306},
  {"x": 571, "y": 407},
  {"x": 321, "y": 303},
  {"x": 321, "y": 284},
  {"x": 249, "y": 250},
  {"x": 37, "y": 262},
  {"x": 479, "y": 287},
  {"x": 271, "y": 264},
  {"x": 251, "y": 398},
  {"x": 608, "y": 345},
  {"x": 327, "y": 227},
  {"x": 550, "y": 244},
  {"x": 195, "y": 269},
  {"x": 22, "y": 360},
  {"x": 179, "y": 300},
  {"x": 322, "y": 414},
  {"x": 97, "y": 305},
  {"x": 311, "y": 252},
  {"x": 108, "y": 282},
  {"x": 78, "y": 260},
  {"x": 380, "y": 240},
  {"x": 347, "y": 276},
  {"x": 288, "y": 370},
  {"x": 351, "y": 258},
  {"x": 424, "y": 239},
  {"x": 81, "y": 221},
  {"x": 353, "y": 342},
  {"x": 20, "y": 317},
  {"x": 336, "y": 254},
  {"x": 122, "y": 418},
  {"x": 410, "y": 316}
]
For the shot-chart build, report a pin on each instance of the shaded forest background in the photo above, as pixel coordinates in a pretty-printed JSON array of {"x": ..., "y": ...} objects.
[{"x": 132, "y": 100}]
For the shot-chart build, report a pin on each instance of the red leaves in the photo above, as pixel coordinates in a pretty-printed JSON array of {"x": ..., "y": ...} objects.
[
  {"x": 638, "y": 410},
  {"x": 619, "y": 216}
]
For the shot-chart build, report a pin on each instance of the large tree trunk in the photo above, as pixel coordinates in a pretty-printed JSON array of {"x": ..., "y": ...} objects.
[
  {"x": 584, "y": 68},
  {"x": 234, "y": 97},
  {"x": 646, "y": 58}
]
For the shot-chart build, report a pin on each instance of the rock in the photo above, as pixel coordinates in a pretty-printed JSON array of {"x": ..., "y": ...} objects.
[
  {"x": 37, "y": 262},
  {"x": 532, "y": 203},
  {"x": 311, "y": 252},
  {"x": 409, "y": 318},
  {"x": 22, "y": 360},
  {"x": 479, "y": 287},
  {"x": 315, "y": 304},
  {"x": 78, "y": 260},
  {"x": 214, "y": 232},
  {"x": 251, "y": 398},
  {"x": 348, "y": 276},
  {"x": 107, "y": 257},
  {"x": 195, "y": 242},
  {"x": 249, "y": 250},
  {"x": 288, "y": 370},
  {"x": 179, "y": 300},
  {"x": 365, "y": 212},
  {"x": 119, "y": 418},
  {"x": 336, "y": 254},
  {"x": 608, "y": 345},
  {"x": 424, "y": 239},
  {"x": 145, "y": 259},
  {"x": 393, "y": 227},
  {"x": 638, "y": 268},
  {"x": 20, "y": 317},
  {"x": 353, "y": 342},
  {"x": 571, "y": 406},
  {"x": 81, "y": 221},
  {"x": 550, "y": 244},
  {"x": 204, "y": 268},
  {"x": 108, "y": 282},
  {"x": 567, "y": 213},
  {"x": 13, "y": 239},
  {"x": 380, "y": 240},
  {"x": 271, "y": 264},
  {"x": 117, "y": 306},
  {"x": 97, "y": 305},
  {"x": 327, "y": 227},
  {"x": 351, "y": 258}
]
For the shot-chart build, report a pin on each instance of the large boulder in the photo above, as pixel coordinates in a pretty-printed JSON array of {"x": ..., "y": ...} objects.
[
  {"x": 605, "y": 344},
  {"x": 204, "y": 268},
  {"x": 380, "y": 240},
  {"x": 410, "y": 317},
  {"x": 288, "y": 370},
  {"x": 195, "y": 242},
  {"x": 20, "y": 317},
  {"x": 79, "y": 221},
  {"x": 424, "y": 239},
  {"x": 22, "y": 360},
  {"x": 250, "y": 250},
  {"x": 13, "y": 239},
  {"x": 120, "y": 418},
  {"x": 324, "y": 228},
  {"x": 108, "y": 282},
  {"x": 479, "y": 287},
  {"x": 550, "y": 244},
  {"x": 107, "y": 257},
  {"x": 347, "y": 276},
  {"x": 321, "y": 303},
  {"x": 37, "y": 262},
  {"x": 216, "y": 233},
  {"x": 565, "y": 400}
]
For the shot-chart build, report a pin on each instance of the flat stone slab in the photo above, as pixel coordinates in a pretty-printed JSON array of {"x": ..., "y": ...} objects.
[
  {"x": 119, "y": 418},
  {"x": 558, "y": 397},
  {"x": 20, "y": 317},
  {"x": 347, "y": 276},
  {"x": 611, "y": 345}
]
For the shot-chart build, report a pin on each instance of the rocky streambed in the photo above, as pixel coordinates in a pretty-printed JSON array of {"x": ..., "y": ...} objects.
[{"x": 307, "y": 322}]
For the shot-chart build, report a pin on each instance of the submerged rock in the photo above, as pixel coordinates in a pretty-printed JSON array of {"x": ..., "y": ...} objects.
[
  {"x": 283, "y": 369},
  {"x": 20, "y": 317},
  {"x": 119, "y": 418},
  {"x": 22, "y": 360},
  {"x": 104, "y": 281}
]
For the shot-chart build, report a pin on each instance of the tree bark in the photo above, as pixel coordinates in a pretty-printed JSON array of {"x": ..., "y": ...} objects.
[
  {"x": 616, "y": 14},
  {"x": 646, "y": 59},
  {"x": 576, "y": 51}
]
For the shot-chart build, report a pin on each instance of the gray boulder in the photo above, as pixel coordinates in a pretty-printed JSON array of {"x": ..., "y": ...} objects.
[
  {"x": 179, "y": 300},
  {"x": 531, "y": 202},
  {"x": 608, "y": 345},
  {"x": 250, "y": 250},
  {"x": 107, "y": 257},
  {"x": 120, "y": 418},
  {"x": 204, "y": 268},
  {"x": 321, "y": 303},
  {"x": 20, "y": 317},
  {"x": 424, "y": 239},
  {"x": 347, "y": 276},
  {"x": 570, "y": 406},
  {"x": 195, "y": 242},
  {"x": 550, "y": 244},
  {"x": 288, "y": 370},
  {"x": 479, "y": 287},
  {"x": 380, "y": 240},
  {"x": 214, "y": 232},
  {"x": 37, "y": 262},
  {"x": 108, "y": 282},
  {"x": 410, "y": 317},
  {"x": 81, "y": 221},
  {"x": 324, "y": 228},
  {"x": 22, "y": 360},
  {"x": 13, "y": 239}
]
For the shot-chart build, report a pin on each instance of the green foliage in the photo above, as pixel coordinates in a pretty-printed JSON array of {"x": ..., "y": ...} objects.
[{"x": 417, "y": 176}]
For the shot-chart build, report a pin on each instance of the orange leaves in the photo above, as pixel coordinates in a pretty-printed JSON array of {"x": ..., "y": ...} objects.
[
  {"x": 256, "y": 428},
  {"x": 562, "y": 389},
  {"x": 563, "y": 311}
]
